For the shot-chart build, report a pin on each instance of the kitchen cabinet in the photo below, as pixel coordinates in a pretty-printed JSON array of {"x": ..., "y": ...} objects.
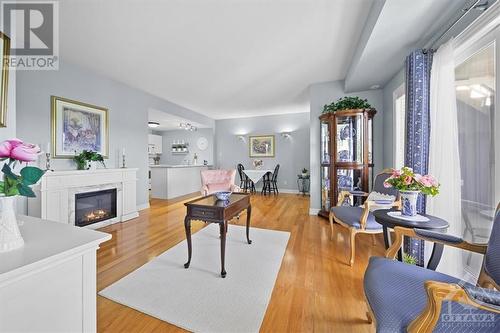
[{"x": 155, "y": 145}]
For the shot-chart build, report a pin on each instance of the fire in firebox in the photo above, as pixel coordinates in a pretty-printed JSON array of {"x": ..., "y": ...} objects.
[{"x": 97, "y": 215}]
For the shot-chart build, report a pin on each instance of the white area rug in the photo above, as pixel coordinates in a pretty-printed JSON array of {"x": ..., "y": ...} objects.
[{"x": 197, "y": 298}]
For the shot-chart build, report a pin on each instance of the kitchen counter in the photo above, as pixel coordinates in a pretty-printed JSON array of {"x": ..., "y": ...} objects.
[
  {"x": 179, "y": 166},
  {"x": 172, "y": 181}
]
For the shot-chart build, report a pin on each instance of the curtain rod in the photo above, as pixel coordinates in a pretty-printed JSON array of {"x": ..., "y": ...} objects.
[{"x": 465, "y": 12}]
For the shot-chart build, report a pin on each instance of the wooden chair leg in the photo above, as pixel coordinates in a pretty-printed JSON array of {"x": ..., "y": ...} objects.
[{"x": 353, "y": 246}]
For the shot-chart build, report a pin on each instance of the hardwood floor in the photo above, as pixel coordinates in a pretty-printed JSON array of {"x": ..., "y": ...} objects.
[{"x": 316, "y": 290}]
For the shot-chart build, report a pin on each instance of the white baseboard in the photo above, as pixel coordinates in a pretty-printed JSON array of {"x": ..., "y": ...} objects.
[
  {"x": 284, "y": 190},
  {"x": 314, "y": 211},
  {"x": 143, "y": 206}
]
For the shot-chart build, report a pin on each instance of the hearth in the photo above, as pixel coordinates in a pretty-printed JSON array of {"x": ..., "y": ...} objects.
[{"x": 93, "y": 207}]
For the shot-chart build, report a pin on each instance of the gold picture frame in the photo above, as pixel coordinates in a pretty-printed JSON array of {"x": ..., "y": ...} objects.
[
  {"x": 4, "y": 81},
  {"x": 261, "y": 146},
  {"x": 77, "y": 126}
]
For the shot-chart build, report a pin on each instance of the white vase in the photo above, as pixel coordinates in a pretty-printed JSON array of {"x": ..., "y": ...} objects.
[
  {"x": 10, "y": 236},
  {"x": 409, "y": 202}
]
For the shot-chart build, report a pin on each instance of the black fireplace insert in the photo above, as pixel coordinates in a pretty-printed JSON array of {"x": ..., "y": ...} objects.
[{"x": 93, "y": 207}]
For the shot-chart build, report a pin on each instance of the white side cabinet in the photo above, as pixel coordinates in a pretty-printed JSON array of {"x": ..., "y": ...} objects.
[
  {"x": 49, "y": 285},
  {"x": 155, "y": 144}
]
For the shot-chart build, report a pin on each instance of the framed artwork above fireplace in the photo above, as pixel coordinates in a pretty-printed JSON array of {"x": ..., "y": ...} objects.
[{"x": 78, "y": 126}]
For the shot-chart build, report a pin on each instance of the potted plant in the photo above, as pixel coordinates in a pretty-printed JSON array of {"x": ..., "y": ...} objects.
[
  {"x": 85, "y": 158},
  {"x": 410, "y": 184},
  {"x": 14, "y": 185},
  {"x": 347, "y": 103},
  {"x": 304, "y": 173}
]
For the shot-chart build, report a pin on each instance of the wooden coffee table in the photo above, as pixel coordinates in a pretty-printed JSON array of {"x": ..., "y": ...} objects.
[{"x": 211, "y": 210}]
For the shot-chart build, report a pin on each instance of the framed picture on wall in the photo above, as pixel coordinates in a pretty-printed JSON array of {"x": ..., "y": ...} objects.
[
  {"x": 78, "y": 126},
  {"x": 261, "y": 146},
  {"x": 4, "y": 80}
]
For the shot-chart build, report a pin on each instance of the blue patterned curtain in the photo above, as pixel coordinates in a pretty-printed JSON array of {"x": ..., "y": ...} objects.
[{"x": 418, "y": 77}]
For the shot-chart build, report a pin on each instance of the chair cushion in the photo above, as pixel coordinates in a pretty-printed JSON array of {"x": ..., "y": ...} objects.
[
  {"x": 396, "y": 294},
  {"x": 212, "y": 188},
  {"x": 352, "y": 216}
]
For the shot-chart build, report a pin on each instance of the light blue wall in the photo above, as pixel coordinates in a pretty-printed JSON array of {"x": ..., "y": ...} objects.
[
  {"x": 292, "y": 154},
  {"x": 128, "y": 113},
  {"x": 325, "y": 93},
  {"x": 388, "y": 126},
  {"x": 191, "y": 137}
]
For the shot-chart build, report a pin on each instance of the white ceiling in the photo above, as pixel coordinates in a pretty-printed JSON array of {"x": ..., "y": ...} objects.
[
  {"x": 399, "y": 27},
  {"x": 236, "y": 58},
  {"x": 221, "y": 58},
  {"x": 169, "y": 122}
]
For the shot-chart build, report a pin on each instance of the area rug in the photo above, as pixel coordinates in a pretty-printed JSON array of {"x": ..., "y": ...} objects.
[{"x": 198, "y": 299}]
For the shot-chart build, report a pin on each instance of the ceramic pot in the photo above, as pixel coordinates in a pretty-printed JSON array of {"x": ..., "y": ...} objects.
[
  {"x": 409, "y": 202},
  {"x": 10, "y": 236}
]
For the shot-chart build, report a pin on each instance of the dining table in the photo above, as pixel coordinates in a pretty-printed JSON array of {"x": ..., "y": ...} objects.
[{"x": 256, "y": 174}]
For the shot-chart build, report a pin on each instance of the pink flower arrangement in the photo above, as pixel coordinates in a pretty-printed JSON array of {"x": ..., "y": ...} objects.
[
  {"x": 15, "y": 150},
  {"x": 406, "y": 180},
  {"x": 18, "y": 150}
]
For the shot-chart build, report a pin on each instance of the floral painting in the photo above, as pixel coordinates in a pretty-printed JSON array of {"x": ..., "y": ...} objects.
[
  {"x": 78, "y": 126},
  {"x": 262, "y": 146}
]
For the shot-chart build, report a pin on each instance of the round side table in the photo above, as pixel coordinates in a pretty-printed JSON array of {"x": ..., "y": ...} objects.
[{"x": 434, "y": 223}]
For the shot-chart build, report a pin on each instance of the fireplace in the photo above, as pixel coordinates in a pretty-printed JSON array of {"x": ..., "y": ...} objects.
[{"x": 93, "y": 207}]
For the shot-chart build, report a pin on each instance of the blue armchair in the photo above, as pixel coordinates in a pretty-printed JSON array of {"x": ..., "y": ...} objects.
[
  {"x": 360, "y": 219},
  {"x": 408, "y": 298}
]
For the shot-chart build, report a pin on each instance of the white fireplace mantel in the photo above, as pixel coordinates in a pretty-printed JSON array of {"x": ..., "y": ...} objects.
[{"x": 55, "y": 193}]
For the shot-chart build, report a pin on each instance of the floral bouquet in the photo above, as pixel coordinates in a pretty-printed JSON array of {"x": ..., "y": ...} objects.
[
  {"x": 16, "y": 151},
  {"x": 410, "y": 184},
  {"x": 13, "y": 185},
  {"x": 257, "y": 164}
]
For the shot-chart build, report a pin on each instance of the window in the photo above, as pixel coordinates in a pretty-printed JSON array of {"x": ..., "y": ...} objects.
[
  {"x": 399, "y": 98},
  {"x": 475, "y": 84}
]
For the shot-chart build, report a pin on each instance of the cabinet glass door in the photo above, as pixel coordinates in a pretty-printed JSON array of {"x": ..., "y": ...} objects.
[
  {"x": 325, "y": 143},
  {"x": 350, "y": 139},
  {"x": 325, "y": 188},
  {"x": 349, "y": 180},
  {"x": 370, "y": 141}
]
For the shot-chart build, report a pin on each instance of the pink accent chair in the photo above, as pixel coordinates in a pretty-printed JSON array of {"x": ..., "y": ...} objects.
[{"x": 218, "y": 180}]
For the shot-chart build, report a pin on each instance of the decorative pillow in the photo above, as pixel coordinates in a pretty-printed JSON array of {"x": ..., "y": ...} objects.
[{"x": 218, "y": 187}]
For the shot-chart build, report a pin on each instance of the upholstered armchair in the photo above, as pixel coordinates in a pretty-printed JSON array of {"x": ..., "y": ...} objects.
[
  {"x": 218, "y": 180},
  {"x": 360, "y": 219},
  {"x": 403, "y": 297}
]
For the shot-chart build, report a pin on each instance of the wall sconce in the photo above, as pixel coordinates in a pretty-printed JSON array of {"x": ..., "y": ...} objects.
[
  {"x": 241, "y": 137},
  {"x": 286, "y": 135}
]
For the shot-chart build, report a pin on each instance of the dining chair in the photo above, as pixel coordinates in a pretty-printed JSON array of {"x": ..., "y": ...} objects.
[
  {"x": 359, "y": 219},
  {"x": 270, "y": 181},
  {"x": 243, "y": 177},
  {"x": 408, "y": 298}
]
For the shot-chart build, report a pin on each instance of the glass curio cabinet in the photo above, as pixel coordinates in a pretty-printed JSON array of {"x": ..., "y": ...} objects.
[{"x": 346, "y": 154}]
